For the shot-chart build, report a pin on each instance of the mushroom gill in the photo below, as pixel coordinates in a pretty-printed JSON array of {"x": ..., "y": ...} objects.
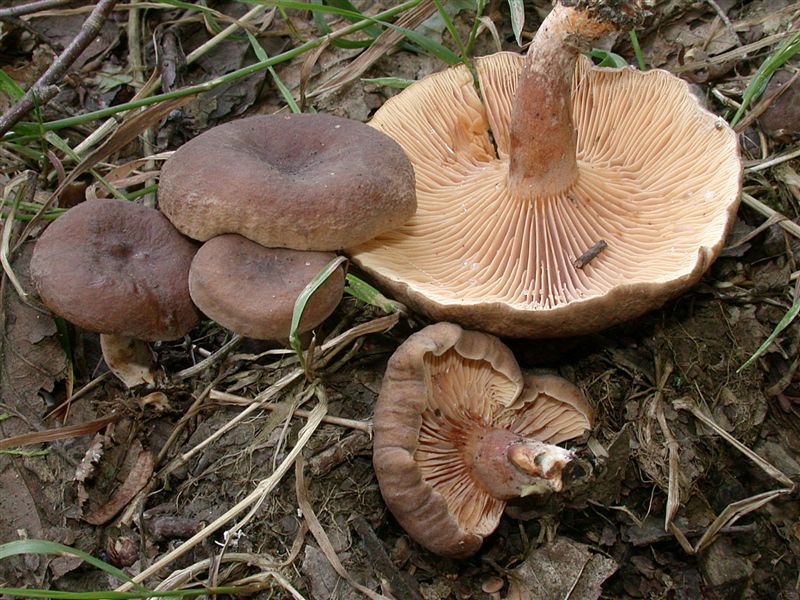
[
  {"x": 459, "y": 431},
  {"x": 660, "y": 197}
]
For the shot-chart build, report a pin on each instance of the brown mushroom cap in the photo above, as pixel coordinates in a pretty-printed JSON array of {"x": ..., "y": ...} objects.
[
  {"x": 252, "y": 290},
  {"x": 112, "y": 266},
  {"x": 450, "y": 397},
  {"x": 658, "y": 180},
  {"x": 308, "y": 182}
]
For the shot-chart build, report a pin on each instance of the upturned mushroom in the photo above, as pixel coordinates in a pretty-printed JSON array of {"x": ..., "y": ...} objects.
[
  {"x": 306, "y": 182},
  {"x": 459, "y": 431},
  {"x": 121, "y": 270},
  {"x": 559, "y": 198},
  {"x": 252, "y": 290}
]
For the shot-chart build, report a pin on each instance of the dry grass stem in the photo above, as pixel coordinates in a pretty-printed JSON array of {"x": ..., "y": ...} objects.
[
  {"x": 382, "y": 45},
  {"x": 734, "y": 511},
  {"x": 768, "y": 212},
  {"x": 735, "y": 54},
  {"x": 365, "y": 426},
  {"x": 321, "y": 537},
  {"x": 210, "y": 360},
  {"x": 264, "y": 487},
  {"x": 26, "y": 181},
  {"x": 688, "y": 404},
  {"x": 771, "y": 162}
]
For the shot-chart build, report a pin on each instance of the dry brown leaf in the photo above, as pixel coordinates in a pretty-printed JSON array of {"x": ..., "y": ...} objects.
[
  {"x": 59, "y": 433},
  {"x": 561, "y": 569},
  {"x": 137, "y": 478}
]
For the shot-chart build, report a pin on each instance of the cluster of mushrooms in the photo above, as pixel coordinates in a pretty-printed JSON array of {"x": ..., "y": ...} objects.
[
  {"x": 551, "y": 199},
  {"x": 272, "y": 198}
]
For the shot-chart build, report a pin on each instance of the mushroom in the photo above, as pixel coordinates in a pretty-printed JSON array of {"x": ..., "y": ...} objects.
[
  {"x": 459, "y": 431},
  {"x": 558, "y": 198},
  {"x": 308, "y": 182},
  {"x": 252, "y": 290},
  {"x": 119, "y": 269}
]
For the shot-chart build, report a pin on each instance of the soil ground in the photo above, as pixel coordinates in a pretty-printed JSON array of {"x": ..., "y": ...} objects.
[{"x": 604, "y": 539}]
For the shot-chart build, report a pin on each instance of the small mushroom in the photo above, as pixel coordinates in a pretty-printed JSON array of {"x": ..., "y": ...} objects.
[
  {"x": 556, "y": 198},
  {"x": 307, "y": 182},
  {"x": 252, "y": 290},
  {"x": 459, "y": 430},
  {"x": 119, "y": 269}
]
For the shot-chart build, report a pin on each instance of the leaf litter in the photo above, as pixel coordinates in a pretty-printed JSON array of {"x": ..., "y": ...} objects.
[{"x": 677, "y": 418}]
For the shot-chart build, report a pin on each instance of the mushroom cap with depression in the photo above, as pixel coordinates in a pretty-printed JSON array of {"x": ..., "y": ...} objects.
[
  {"x": 252, "y": 290},
  {"x": 305, "y": 181},
  {"x": 657, "y": 186},
  {"x": 459, "y": 430},
  {"x": 115, "y": 267}
]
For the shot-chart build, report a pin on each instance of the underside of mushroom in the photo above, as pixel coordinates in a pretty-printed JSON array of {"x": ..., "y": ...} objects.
[
  {"x": 628, "y": 164},
  {"x": 459, "y": 431}
]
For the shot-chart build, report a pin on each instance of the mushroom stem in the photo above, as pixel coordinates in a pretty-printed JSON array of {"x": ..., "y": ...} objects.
[
  {"x": 543, "y": 139},
  {"x": 129, "y": 359},
  {"x": 509, "y": 466}
]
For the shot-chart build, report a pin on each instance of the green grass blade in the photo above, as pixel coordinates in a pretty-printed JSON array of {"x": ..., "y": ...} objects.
[
  {"x": 433, "y": 48},
  {"x": 604, "y": 58},
  {"x": 18, "y": 547},
  {"x": 25, "y": 454},
  {"x": 227, "y": 78},
  {"x": 759, "y": 81},
  {"x": 262, "y": 56},
  {"x": 390, "y": 82},
  {"x": 787, "y": 319},
  {"x": 9, "y": 87},
  {"x": 637, "y": 50},
  {"x": 302, "y": 300},
  {"x": 361, "y": 290},
  {"x": 372, "y": 30},
  {"x": 451, "y": 29}
]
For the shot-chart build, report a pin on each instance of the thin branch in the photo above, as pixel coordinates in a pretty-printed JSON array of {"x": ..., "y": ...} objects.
[
  {"x": 33, "y": 7},
  {"x": 44, "y": 89}
]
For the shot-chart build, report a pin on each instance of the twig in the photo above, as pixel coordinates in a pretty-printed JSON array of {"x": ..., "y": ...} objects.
[
  {"x": 44, "y": 89},
  {"x": 32, "y": 7}
]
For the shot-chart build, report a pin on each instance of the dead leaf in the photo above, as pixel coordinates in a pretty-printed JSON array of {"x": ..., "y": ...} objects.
[
  {"x": 59, "y": 433},
  {"x": 562, "y": 569},
  {"x": 136, "y": 480}
]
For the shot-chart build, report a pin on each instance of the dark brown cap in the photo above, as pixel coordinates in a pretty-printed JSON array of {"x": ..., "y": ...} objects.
[
  {"x": 112, "y": 266},
  {"x": 307, "y": 182},
  {"x": 252, "y": 290}
]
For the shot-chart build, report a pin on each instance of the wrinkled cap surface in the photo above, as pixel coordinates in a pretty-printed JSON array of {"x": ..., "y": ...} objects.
[
  {"x": 307, "y": 182},
  {"x": 252, "y": 290},
  {"x": 112, "y": 266},
  {"x": 658, "y": 182},
  {"x": 441, "y": 385}
]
